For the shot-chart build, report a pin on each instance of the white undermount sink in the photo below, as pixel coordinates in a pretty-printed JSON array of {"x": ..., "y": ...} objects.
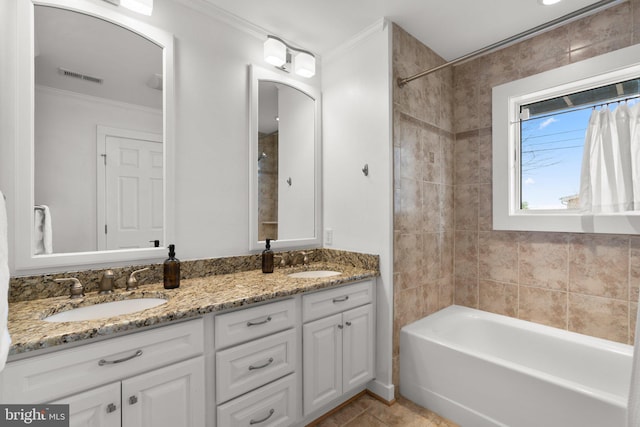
[
  {"x": 314, "y": 274},
  {"x": 105, "y": 309}
]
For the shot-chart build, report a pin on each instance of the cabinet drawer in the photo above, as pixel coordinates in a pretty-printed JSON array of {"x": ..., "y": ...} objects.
[
  {"x": 242, "y": 368},
  {"x": 51, "y": 376},
  {"x": 269, "y": 406},
  {"x": 251, "y": 323},
  {"x": 326, "y": 303}
]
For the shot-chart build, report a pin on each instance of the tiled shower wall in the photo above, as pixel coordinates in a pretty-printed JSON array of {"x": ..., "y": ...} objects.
[
  {"x": 587, "y": 283},
  {"x": 423, "y": 186},
  {"x": 444, "y": 246}
]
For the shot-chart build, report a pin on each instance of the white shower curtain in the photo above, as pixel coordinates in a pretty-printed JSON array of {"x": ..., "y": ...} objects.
[{"x": 608, "y": 167}]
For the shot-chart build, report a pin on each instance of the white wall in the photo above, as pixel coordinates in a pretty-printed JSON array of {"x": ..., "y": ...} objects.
[
  {"x": 356, "y": 85},
  {"x": 65, "y": 158},
  {"x": 212, "y": 108}
]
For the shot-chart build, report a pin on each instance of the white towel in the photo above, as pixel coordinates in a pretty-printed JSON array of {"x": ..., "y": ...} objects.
[
  {"x": 5, "y": 339},
  {"x": 43, "y": 232}
]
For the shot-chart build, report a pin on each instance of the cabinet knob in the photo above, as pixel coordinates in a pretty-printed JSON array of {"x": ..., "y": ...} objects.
[
  {"x": 340, "y": 326},
  {"x": 133, "y": 400},
  {"x": 348, "y": 323},
  {"x": 111, "y": 408}
]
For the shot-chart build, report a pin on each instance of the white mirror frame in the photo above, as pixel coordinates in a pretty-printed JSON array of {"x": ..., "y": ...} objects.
[
  {"x": 25, "y": 260},
  {"x": 605, "y": 69},
  {"x": 257, "y": 74}
]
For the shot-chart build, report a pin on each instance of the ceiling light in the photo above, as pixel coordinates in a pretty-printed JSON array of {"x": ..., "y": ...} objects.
[
  {"x": 304, "y": 64},
  {"x": 144, "y": 7},
  {"x": 278, "y": 53},
  {"x": 275, "y": 52},
  {"x": 548, "y": 2}
]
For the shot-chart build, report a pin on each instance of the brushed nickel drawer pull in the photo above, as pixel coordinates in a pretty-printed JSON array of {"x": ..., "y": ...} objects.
[
  {"x": 269, "y": 362},
  {"x": 111, "y": 408},
  {"x": 271, "y": 411},
  {"x": 103, "y": 362},
  {"x": 344, "y": 298},
  {"x": 268, "y": 319}
]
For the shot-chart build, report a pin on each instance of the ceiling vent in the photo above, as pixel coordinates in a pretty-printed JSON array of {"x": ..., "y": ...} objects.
[{"x": 76, "y": 75}]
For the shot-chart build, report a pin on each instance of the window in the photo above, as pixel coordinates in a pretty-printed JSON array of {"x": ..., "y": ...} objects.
[
  {"x": 540, "y": 123},
  {"x": 552, "y": 143}
]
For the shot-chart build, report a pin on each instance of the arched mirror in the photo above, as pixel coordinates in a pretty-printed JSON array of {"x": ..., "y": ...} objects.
[
  {"x": 95, "y": 130},
  {"x": 284, "y": 161}
]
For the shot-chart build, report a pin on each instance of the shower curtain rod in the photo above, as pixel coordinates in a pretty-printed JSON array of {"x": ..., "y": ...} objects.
[{"x": 578, "y": 13}]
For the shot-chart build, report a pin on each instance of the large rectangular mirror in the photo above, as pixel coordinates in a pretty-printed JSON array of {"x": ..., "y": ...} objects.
[
  {"x": 95, "y": 132},
  {"x": 284, "y": 161}
]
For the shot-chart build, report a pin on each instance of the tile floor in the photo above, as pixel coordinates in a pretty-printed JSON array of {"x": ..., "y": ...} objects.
[{"x": 367, "y": 411}]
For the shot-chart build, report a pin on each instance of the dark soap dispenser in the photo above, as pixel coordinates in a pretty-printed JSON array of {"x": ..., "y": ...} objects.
[
  {"x": 172, "y": 270},
  {"x": 267, "y": 258}
]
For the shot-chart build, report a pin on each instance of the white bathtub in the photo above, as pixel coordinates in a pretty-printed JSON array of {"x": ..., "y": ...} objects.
[{"x": 481, "y": 369}]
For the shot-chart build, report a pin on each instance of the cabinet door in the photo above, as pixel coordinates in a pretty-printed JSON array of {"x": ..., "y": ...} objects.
[
  {"x": 357, "y": 357},
  {"x": 322, "y": 361},
  {"x": 99, "y": 407},
  {"x": 167, "y": 397}
]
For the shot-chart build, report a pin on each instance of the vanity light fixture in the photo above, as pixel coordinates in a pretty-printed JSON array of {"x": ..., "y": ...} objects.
[
  {"x": 144, "y": 7},
  {"x": 280, "y": 54}
]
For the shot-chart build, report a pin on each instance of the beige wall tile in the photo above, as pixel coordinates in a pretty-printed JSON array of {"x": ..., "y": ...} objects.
[
  {"x": 484, "y": 157},
  {"x": 543, "y": 306},
  {"x": 545, "y": 52},
  {"x": 466, "y": 161},
  {"x": 431, "y": 207},
  {"x": 599, "y": 265},
  {"x": 466, "y": 291},
  {"x": 408, "y": 206},
  {"x": 431, "y": 256},
  {"x": 408, "y": 135},
  {"x": 500, "y": 298},
  {"x": 613, "y": 23},
  {"x": 600, "y": 317},
  {"x": 408, "y": 260},
  {"x": 485, "y": 207},
  {"x": 446, "y": 293},
  {"x": 431, "y": 156},
  {"x": 466, "y": 207},
  {"x": 635, "y": 21},
  {"x": 447, "y": 220},
  {"x": 466, "y": 254},
  {"x": 498, "y": 256},
  {"x": 544, "y": 260}
]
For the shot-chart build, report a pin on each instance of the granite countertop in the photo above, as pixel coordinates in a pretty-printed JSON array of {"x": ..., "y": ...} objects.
[{"x": 194, "y": 297}]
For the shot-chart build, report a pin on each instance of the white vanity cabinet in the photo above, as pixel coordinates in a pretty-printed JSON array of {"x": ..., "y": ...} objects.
[
  {"x": 151, "y": 378},
  {"x": 256, "y": 365},
  {"x": 338, "y": 342},
  {"x": 166, "y": 397}
]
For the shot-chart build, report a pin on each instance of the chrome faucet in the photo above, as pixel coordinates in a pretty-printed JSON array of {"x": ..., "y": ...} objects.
[
  {"x": 75, "y": 289},
  {"x": 284, "y": 259},
  {"x": 132, "y": 281},
  {"x": 106, "y": 284},
  {"x": 305, "y": 254}
]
